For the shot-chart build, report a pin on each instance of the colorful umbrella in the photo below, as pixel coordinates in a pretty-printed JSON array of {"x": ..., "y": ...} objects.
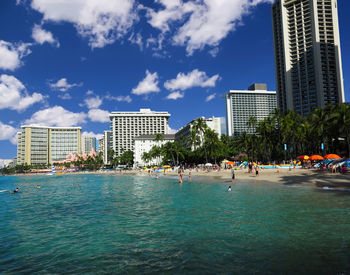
[
  {"x": 303, "y": 157},
  {"x": 332, "y": 156},
  {"x": 316, "y": 157},
  {"x": 230, "y": 163}
]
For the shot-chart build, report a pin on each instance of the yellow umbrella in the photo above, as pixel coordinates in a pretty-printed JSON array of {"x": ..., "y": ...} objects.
[
  {"x": 155, "y": 167},
  {"x": 166, "y": 166}
]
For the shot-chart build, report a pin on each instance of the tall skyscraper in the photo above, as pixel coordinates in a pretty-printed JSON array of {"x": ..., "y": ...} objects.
[
  {"x": 307, "y": 54},
  {"x": 125, "y": 126},
  {"x": 257, "y": 102},
  {"x": 42, "y": 144}
]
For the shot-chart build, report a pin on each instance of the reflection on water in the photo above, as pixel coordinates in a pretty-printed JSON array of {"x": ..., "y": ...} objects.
[{"x": 121, "y": 224}]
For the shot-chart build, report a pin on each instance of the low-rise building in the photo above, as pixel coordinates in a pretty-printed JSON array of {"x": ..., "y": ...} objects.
[
  {"x": 144, "y": 143},
  {"x": 184, "y": 134}
]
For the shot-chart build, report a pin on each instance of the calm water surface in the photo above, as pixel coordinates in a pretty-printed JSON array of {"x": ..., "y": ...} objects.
[{"x": 122, "y": 224}]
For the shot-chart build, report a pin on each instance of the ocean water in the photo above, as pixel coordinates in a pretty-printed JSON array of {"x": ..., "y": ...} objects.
[{"x": 91, "y": 224}]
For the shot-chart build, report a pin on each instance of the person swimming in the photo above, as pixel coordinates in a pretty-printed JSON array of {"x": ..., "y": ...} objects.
[
  {"x": 14, "y": 191},
  {"x": 229, "y": 188},
  {"x": 38, "y": 186}
]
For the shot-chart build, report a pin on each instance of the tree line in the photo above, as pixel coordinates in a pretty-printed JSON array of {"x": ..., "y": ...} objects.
[{"x": 280, "y": 136}]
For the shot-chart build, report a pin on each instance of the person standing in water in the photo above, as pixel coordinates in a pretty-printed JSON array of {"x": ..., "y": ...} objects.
[
  {"x": 189, "y": 176},
  {"x": 233, "y": 176},
  {"x": 229, "y": 188}
]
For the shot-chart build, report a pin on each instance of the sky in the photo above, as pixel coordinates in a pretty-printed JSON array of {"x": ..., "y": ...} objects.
[{"x": 72, "y": 62}]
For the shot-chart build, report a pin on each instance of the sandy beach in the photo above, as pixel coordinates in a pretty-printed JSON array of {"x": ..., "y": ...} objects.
[{"x": 297, "y": 176}]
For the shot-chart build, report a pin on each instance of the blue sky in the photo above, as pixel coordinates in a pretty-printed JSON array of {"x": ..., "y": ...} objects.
[{"x": 69, "y": 63}]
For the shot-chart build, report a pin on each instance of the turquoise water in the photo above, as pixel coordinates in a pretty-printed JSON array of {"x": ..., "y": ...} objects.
[{"x": 122, "y": 224}]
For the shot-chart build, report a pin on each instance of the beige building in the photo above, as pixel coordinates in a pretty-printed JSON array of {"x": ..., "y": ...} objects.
[
  {"x": 307, "y": 54},
  {"x": 41, "y": 144}
]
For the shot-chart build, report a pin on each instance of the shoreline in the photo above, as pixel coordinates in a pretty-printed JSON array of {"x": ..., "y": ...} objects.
[{"x": 297, "y": 176}]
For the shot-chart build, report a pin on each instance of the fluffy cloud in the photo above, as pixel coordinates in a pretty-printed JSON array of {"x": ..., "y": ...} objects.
[
  {"x": 92, "y": 134},
  {"x": 148, "y": 85},
  {"x": 171, "y": 131},
  {"x": 98, "y": 115},
  {"x": 7, "y": 132},
  {"x": 13, "y": 94},
  {"x": 119, "y": 98},
  {"x": 11, "y": 54},
  {"x": 41, "y": 36},
  {"x": 210, "y": 97},
  {"x": 57, "y": 116},
  {"x": 93, "y": 102},
  {"x": 202, "y": 23},
  {"x": 62, "y": 85},
  {"x": 175, "y": 95},
  {"x": 101, "y": 21},
  {"x": 192, "y": 79}
]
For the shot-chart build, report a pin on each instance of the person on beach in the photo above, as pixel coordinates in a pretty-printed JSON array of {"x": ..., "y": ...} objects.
[
  {"x": 256, "y": 171},
  {"x": 233, "y": 176},
  {"x": 189, "y": 176},
  {"x": 229, "y": 188}
]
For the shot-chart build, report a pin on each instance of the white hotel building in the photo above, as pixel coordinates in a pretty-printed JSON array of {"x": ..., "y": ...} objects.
[
  {"x": 125, "y": 126},
  {"x": 241, "y": 105},
  {"x": 144, "y": 143}
]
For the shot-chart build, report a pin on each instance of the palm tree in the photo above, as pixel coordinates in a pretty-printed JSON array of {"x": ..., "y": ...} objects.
[
  {"x": 200, "y": 127},
  {"x": 212, "y": 143},
  {"x": 342, "y": 116}
]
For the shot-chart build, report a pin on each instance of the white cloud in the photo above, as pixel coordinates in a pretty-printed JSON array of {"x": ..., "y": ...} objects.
[
  {"x": 65, "y": 96},
  {"x": 202, "y": 23},
  {"x": 89, "y": 92},
  {"x": 98, "y": 115},
  {"x": 171, "y": 131},
  {"x": 192, "y": 79},
  {"x": 175, "y": 95},
  {"x": 101, "y": 21},
  {"x": 119, "y": 98},
  {"x": 11, "y": 54},
  {"x": 93, "y": 102},
  {"x": 7, "y": 132},
  {"x": 136, "y": 39},
  {"x": 92, "y": 134},
  {"x": 13, "y": 94},
  {"x": 41, "y": 36},
  {"x": 57, "y": 116},
  {"x": 62, "y": 85},
  {"x": 210, "y": 97},
  {"x": 148, "y": 85}
]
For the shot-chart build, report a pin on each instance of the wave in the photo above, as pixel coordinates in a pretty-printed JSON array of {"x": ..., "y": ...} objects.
[
  {"x": 336, "y": 189},
  {"x": 2, "y": 191}
]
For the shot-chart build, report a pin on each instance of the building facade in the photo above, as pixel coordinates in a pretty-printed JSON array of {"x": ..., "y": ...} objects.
[
  {"x": 87, "y": 144},
  {"x": 256, "y": 102},
  {"x": 183, "y": 135},
  {"x": 144, "y": 143},
  {"x": 307, "y": 54},
  {"x": 43, "y": 145},
  {"x": 125, "y": 126},
  {"x": 107, "y": 145}
]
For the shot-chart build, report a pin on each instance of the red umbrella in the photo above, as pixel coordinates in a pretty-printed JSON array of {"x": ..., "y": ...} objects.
[
  {"x": 303, "y": 157},
  {"x": 332, "y": 156},
  {"x": 316, "y": 157}
]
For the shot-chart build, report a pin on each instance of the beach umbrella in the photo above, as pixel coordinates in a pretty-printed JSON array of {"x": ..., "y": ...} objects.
[
  {"x": 332, "y": 156},
  {"x": 166, "y": 166},
  {"x": 316, "y": 157},
  {"x": 303, "y": 157},
  {"x": 208, "y": 164},
  {"x": 230, "y": 163}
]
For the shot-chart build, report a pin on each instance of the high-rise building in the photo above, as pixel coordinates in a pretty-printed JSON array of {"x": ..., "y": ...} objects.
[
  {"x": 87, "y": 144},
  {"x": 184, "y": 134},
  {"x": 256, "y": 102},
  {"x": 307, "y": 54},
  {"x": 41, "y": 144},
  {"x": 125, "y": 126},
  {"x": 107, "y": 145},
  {"x": 144, "y": 143}
]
